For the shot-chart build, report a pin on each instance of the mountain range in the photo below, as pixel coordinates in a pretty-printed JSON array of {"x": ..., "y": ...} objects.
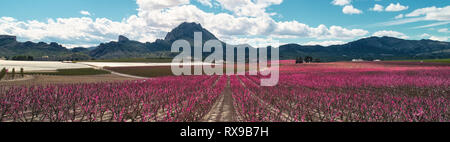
[{"x": 384, "y": 48}]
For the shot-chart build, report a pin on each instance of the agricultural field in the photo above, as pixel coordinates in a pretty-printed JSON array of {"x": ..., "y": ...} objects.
[
  {"x": 39, "y": 65},
  {"x": 316, "y": 92},
  {"x": 363, "y": 93},
  {"x": 136, "y": 60},
  {"x": 42, "y": 80},
  {"x": 145, "y": 71},
  {"x": 159, "y": 71},
  {"x": 72, "y": 72},
  {"x": 430, "y": 61},
  {"x": 134, "y": 64}
]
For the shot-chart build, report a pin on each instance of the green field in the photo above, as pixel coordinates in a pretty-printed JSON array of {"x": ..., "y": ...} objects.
[
  {"x": 143, "y": 71},
  {"x": 139, "y": 60},
  {"x": 157, "y": 71},
  {"x": 72, "y": 72},
  {"x": 429, "y": 60}
]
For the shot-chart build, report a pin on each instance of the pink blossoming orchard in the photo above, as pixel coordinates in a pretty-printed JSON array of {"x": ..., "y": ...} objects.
[{"x": 316, "y": 92}]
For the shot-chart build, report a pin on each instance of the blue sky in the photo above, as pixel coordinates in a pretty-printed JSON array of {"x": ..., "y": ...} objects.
[
  {"x": 89, "y": 22},
  {"x": 43, "y": 9}
]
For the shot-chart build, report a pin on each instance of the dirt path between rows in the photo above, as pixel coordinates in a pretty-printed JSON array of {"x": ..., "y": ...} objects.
[
  {"x": 223, "y": 110},
  {"x": 25, "y": 78}
]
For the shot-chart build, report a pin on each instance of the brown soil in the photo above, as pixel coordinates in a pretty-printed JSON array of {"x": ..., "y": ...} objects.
[{"x": 222, "y": 110}]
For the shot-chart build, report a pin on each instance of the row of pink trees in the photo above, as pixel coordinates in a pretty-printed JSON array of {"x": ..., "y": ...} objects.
[
  {"x": 313, "y": 92},
  {"x": 351, "y": 95},
  {"x": 186, "y": 98}
]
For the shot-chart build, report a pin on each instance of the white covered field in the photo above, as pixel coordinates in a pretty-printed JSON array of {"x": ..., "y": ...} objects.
[
  {"x": 52, "y": 65},
  {"x": 39, "y": 65}
]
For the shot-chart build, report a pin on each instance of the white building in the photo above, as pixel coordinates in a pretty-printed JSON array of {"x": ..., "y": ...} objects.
[{"x": 357, "y": 60}]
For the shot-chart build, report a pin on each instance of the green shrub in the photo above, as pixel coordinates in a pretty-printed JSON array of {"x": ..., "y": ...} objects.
[
  {"x": 13, "y": 73},
  {"x": 2, "y": 73},
  {"x": 23, "y": 58},
  {"x": 21, "y": 72}
]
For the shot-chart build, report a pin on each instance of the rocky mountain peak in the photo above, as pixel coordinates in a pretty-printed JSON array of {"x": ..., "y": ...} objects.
[
  {"x": 123, "y": 38},
  {"x": 186, "y": 31}
]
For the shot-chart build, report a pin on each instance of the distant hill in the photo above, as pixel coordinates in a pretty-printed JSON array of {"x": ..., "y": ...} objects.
[
  {"x": 384, "y": 48},
  {"x": 121, "y": 49},
  {"x": 10, "y": 47}
]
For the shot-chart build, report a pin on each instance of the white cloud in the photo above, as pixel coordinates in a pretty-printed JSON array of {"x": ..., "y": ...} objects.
[
  {"x": 79, "y": 45},
  {"x": 252, "y": 41},
  {"x": 248, "y": 7},
  {"x": 390, "y": 34},
  {"x": 156, "y": 18},
  {"x": 297, "y": 29},
  {"x": 67, "y": 30},
  {"x": 349, "y": 9},
  {"x": 401, "y": 21},
  {"x": 341, "y": 2},
  {"x": 390, "y": 8},
  {"x": 159, "y": 4},
  {"x": 425, "y": 35},
  {"x": 396, "y": 7},
  {"x": 8, "y": 19},
  {"x": 377, "y": 7},
  {"x": 432, "y": 25},
  {"x": 337, "y": 32},
  {"x": 205, "y": 2},
  {"x": 443, "y": 30},
  {"x": 424, "y": 14},
  {"x": 325, "y": 43},
  {"x": 439, "y": 38},
  {"x": 432, "y": 13},
  {"x": 400, "y": 16},
  {"x": 82, "y": 12}
]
